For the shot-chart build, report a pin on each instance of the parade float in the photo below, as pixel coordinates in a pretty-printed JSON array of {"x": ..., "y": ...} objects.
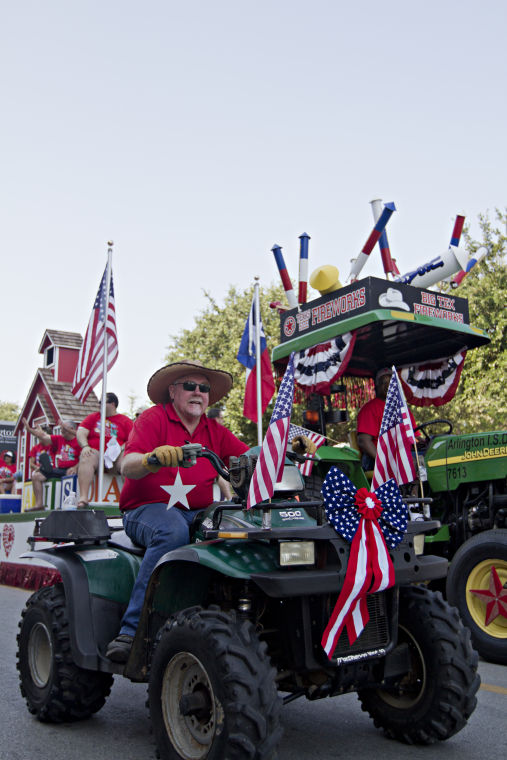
[
  {"x": 48, "y": 400},
  {"x": 284, "y": 592},
  {"x": 342, "y": 338}
]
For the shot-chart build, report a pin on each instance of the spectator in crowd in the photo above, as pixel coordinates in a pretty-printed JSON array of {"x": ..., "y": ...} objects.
[
  {"x": 216, "y": 413},
  {"x": 159, "y": 501},
  {"x": 7, "y": 473},
  {"x": 118, "y": 427},
  {"x": 60, "y": 457}
]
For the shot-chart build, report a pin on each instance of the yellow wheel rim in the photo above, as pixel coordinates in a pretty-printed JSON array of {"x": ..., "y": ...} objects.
[{"x": 480, "y": 578}]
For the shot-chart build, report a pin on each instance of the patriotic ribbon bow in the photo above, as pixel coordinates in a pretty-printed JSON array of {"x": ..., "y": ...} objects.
[{"x": 371, "y": 522}]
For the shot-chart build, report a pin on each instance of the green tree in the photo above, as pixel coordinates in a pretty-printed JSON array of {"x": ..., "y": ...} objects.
[
  {"x": 215, "y": 341},
  {"x": 479, "y": 404},
  {"x": 9, "y": 411}
]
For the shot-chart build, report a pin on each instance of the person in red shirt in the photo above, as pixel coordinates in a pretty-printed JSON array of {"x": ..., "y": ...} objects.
[
  {"x": 59, "y": 456},
  {"x": 7, "y": 473},
  {"x": 160, "y": 501},
  {"x": 36, "y": 451},
  {"x": 369, "y": 419},
  {"x": 118, "y": 427}
]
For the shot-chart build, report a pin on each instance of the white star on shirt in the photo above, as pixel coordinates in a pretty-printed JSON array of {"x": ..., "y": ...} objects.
[{"x": 178, "y": 492}]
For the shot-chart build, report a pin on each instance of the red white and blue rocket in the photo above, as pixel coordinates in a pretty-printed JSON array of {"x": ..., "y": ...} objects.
[
  {"x": 284, "y": 275},
  {"x": 373, "y": 239}
]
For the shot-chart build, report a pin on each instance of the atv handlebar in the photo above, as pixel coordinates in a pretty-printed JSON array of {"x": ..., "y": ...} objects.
[{"x": 191, "y": 451}]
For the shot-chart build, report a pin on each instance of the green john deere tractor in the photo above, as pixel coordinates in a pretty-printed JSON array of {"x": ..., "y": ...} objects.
[{"x": 463, "y": 476}]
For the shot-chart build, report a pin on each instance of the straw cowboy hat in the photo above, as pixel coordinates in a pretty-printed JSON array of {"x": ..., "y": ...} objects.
[{"x": 158, "y": 385}]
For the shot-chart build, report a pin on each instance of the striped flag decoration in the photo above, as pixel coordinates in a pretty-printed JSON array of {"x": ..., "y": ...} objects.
[
  {"x": 89, "y": 370},
  {"x": 294, "y": 430},
  {"x": 274, "y": 446},
  {"x": 396, "y": 437}
]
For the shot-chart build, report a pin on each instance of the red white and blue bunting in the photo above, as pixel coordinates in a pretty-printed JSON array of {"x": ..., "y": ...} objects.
[
  {"x": 371, "y": 522},
  {"x": 432, "y": 383},
  {"x": 318, "y": 367}
]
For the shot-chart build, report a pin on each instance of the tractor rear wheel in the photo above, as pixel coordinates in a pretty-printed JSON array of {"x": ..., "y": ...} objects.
[{"x": 477, "y": 586}]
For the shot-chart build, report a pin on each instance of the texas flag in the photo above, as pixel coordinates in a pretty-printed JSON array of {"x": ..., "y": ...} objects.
[{"x": 247, "y": 357}]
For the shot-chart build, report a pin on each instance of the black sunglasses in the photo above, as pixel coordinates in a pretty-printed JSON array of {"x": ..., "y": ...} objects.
[{"x": 189, "y": 385}]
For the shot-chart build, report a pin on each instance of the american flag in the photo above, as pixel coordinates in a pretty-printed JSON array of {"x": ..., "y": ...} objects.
[
  {"x": 318, "y": 439},
  {"x": 396, "y": 436},
  {"x": 89, "y": 368},
  {"x": 274, "y": 446}
]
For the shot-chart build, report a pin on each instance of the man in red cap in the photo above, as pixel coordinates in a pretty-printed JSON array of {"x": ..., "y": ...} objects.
[{"x": 160, "y": 501}]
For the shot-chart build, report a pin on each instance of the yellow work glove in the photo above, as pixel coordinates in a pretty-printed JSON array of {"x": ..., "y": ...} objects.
[
  {"x": 168, "y": 456},
  {"x": 301, "y": 444}
]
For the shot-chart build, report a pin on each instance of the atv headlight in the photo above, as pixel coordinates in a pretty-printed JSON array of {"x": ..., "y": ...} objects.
[
  {"x": 297, "y": 553},
  {"x": 419, "y": 543}
]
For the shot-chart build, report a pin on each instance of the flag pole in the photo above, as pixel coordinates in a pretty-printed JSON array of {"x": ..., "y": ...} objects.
[
  {"x": 104, "y": 377},
  {"x": 258, "y": 369}
]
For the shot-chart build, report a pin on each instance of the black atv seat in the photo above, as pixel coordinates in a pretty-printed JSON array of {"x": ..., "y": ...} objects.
[{"x": 120, "y": 539}]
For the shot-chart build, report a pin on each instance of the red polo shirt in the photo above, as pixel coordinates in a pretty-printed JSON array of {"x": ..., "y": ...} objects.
[
  {"x": 160, "y": 426},
  {"x": 370, "y": 416}
]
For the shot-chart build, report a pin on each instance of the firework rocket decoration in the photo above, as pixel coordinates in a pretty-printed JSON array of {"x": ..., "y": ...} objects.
[
  {"x": 303, "y": 267},
  {"x": 388, "y": 262},
  {"x": 453, "y": 261},
  {"x": 284, "y": 275},
  {"x": 476, "y": 259},
  {"x": 373, "y": 239},
  {"x": 458, "y": 229}
]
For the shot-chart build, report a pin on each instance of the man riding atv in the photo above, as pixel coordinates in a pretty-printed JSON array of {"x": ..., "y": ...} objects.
[{"x": 181, "y": 392}]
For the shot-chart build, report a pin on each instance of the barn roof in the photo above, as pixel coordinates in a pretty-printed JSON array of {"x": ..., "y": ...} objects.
[{"x": 60, "y": 338}]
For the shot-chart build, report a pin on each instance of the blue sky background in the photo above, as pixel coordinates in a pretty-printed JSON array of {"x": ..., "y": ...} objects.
[{"x": 198, "y": 134}]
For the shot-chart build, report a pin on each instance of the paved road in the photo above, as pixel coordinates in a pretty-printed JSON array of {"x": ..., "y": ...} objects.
[{"x": 323, "y": 730}]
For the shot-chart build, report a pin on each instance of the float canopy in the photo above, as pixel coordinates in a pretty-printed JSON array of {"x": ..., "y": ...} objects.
[{"x": 395, "y": 324}]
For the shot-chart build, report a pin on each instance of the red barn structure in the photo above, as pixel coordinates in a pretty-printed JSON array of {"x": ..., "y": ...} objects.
[{"x": 50, "y": 397}]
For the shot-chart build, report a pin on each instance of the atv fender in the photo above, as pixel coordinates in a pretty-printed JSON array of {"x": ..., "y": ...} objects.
[
  {"x": 77, "y": 595},
  {"x": 96, "y": 594}
]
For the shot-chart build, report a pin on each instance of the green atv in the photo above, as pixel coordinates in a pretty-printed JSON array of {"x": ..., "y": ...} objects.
[
  {"x": 232, "y": 624},
  {"x": 464, "y": 476}
]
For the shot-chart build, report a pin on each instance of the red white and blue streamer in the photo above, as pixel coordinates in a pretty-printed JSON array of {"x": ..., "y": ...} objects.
[
  {"x": 373, "y": 523},
  {"x": 318, "y": 367},
  {"x": 432, "y": 383}
]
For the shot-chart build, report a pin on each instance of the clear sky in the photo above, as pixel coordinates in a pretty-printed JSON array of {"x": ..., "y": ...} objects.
[{"x": 197, "y": 134}]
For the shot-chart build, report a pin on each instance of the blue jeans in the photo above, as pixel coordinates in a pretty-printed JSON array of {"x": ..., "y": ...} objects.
[{"x": 160, "y": 530}]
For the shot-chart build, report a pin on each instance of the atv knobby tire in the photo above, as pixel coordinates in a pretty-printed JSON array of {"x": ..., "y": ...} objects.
[
  {"x": 54, "y": 687},
  {"x": 435, "y": 699},
  {"x": 471, "y": 569},
  {"x": 212, "y": 690}
]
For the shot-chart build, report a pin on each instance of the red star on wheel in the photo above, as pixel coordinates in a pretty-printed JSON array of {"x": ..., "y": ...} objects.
[{"x": 495, "y": 598}]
